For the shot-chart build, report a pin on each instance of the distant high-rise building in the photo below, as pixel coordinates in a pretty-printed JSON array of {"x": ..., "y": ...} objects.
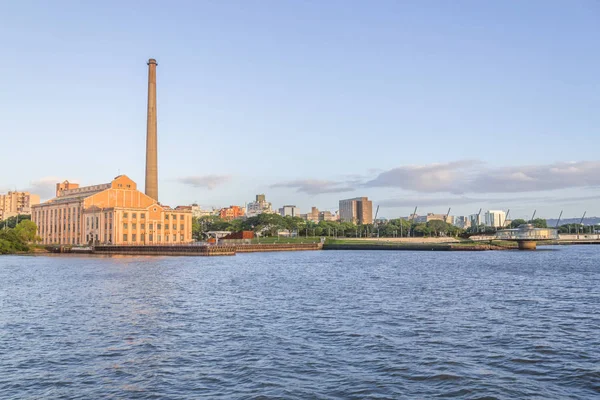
[
  {"x": 434, "y": 217},
  {"x": 462, "y": 222},
  {"x": 260, "y": 206},
  {"x": 495, "y": 218},
  {"x": 199, "y": 212},
  {"x": 476, "y": 220},
  {"x": 289, "y": 211},
  {"x": 358, "y": 210},
  {"x": 17, "y": 203}
]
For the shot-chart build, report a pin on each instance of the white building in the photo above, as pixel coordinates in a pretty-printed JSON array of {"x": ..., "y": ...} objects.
[
  {"x": 462, "y": 222},
  {"x": 260, "y": 206},
  {"x": 495, "y": 218},
  {"x": 289, "y": 211},
  {"x": 198, "y": 212},
  {"x": 476, "y": 220}
]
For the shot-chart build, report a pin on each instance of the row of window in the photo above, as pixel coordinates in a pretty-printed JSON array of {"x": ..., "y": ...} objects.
[
  {"x": 143, "y": 216},
  {"x": 150, "y": 226},
  {"x": 151, "y": 237}
]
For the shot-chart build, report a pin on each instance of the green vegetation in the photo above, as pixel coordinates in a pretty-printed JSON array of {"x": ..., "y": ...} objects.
[
  {"x": 268, "y": 225},
  {"x": 17, "y": 239},
  {"x": 13, "y": 221}
]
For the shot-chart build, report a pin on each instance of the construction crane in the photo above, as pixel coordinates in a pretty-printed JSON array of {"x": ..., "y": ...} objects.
[
  {"x": 506, "y": 218},
  {"x": 412, "y": 218},
  {"x": 375, "y": 219},
  {"x": 533, "y": 216},
  {"x": 558, "y": 220},
  {"x": 581, "y": 224},
  {"x": 477, "y": 221},
  {"x": 581, "y": 221},
  {"x": 447, "y": 215}
]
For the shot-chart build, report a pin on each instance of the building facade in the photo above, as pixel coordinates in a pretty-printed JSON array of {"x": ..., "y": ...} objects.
[
  {"x": 357, "y": 211},
  {"x": 434, "y": 217},
  {"x": 476, "y": 220},
  {"x": 232, "y": 212},
  {"x": 110, "y": 213},
  {"x": 289, "y": 211},
  {"x": 316, "y": 216},
  {"x": 495, "y": 218},
  {"x": 17, "y": 203},
  {"x": 199, "y": 212},
  {"x": 462, "y": 222},
  {"x": 260, "y": 206}
]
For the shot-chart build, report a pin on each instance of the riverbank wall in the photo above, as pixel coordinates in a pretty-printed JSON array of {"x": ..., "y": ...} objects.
[
  {"x": 415, "y": 247},
  {"x": 185, "y": 250}
]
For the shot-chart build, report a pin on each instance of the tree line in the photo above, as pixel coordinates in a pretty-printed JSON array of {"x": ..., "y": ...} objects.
[
  {"x": 18, "y": 238},
  {"x": 267, "y": 225}
]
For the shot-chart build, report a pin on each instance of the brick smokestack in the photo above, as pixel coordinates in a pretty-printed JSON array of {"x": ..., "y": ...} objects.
[{"x": 151, "y": 186}]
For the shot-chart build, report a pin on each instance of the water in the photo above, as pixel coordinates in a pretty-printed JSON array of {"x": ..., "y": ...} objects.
[{"x": 330, "y": 325}]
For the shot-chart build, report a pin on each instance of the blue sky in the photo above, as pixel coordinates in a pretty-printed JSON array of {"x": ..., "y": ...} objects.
[{"x": 466, "y": 104}]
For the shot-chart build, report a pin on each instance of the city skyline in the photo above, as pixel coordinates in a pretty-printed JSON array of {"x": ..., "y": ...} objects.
[{"x": 236, "y": 120}]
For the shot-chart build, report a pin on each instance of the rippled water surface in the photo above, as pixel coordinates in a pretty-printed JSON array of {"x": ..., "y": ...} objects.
[{"x": 331, "y": 325}]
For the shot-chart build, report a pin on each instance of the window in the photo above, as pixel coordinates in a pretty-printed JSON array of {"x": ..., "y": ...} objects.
[
  {"x": 166, "y": 216},
  {"x": 142, "y": 226},
  {"x": 174, "y": 238},
  {"x": 143, "y": 215},
  {"x": 124, "y": 237},
  {"x": 124, "y": 215},
  {"x": 181, "y": 217},
  {"x": 134, "y": 226},
  {"x": 150, "y": 237},
  {"x": 159, "y": 238},
  {"x": 133, "y": 237},
  {"x": 133, "y": 215},
  {"x": 174, "y": 226},
  {"x": 125, "y": 225},
  {"x": 166, "y": 238},
  {"x": 182, "y": 238},
  {"x": 181, "y": 227},
  {"x": 159, "y": 226}
]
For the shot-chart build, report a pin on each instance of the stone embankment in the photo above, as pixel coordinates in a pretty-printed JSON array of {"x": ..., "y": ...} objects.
[{"x": 186, "y": 250}]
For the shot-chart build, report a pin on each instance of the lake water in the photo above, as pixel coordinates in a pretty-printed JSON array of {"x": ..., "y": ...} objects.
[{"x": 303, "y": 325}]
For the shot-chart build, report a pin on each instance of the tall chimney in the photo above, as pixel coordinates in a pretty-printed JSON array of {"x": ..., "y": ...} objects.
[{"x": 151, "y": 140}]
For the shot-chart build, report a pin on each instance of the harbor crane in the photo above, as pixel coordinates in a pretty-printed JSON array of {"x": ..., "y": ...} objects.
[
  {"x": 506, "y": 218},
  {"x": 412, "y": 219},
  {"x": 558, "y": 220},
  {"x": 447, "y": 215},
  {"x": 533, "y": 216}
]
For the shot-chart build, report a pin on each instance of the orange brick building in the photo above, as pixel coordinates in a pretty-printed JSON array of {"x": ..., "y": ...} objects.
[
  {"x": 232, "y": 212},
  {"x": 110, "y": 213}
]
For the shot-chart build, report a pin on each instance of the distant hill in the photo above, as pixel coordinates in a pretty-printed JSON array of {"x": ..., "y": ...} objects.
[{"x": 586, "y": 221}]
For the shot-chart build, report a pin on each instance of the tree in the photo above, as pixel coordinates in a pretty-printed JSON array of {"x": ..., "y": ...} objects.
[
  {"x": 539, "y": 223},
  {"x": 12, "y": 221},
  {"x": 437, "y": 227},
  {"x": 26, "y": 230},
  {"x": 516, "y": 222}
]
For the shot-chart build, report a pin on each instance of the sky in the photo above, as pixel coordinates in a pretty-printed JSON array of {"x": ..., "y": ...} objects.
[{"x": 435, "y": 104}]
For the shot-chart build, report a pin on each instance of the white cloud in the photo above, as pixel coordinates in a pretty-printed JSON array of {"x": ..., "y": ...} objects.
[
  {"x": 205, "y": 181},
  {"x": 45, "y": 187},
  {"x": 469, "y": 177}
]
